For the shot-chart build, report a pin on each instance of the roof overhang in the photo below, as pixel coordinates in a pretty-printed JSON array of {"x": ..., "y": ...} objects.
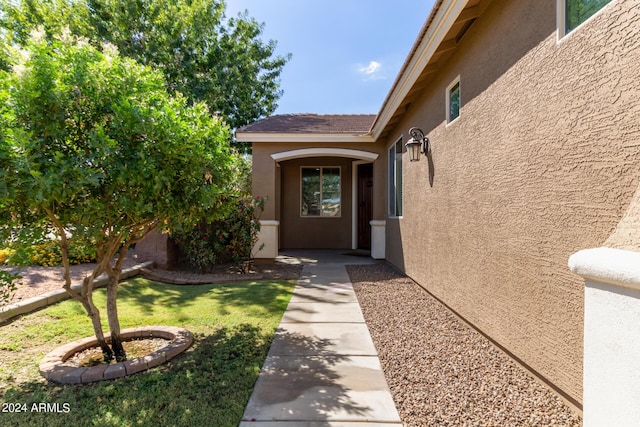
[
  {"x": 301, "y": 137},
  {"x": 437, "y": 39},
  {"x": 432, "y": 35}
]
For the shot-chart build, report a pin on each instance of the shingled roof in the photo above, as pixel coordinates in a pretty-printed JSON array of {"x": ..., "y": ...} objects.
[{"x": 312, "y": 123}]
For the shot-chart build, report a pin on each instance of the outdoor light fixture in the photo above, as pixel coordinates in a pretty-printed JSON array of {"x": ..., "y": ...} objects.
[{"x": 417, "y": 144}]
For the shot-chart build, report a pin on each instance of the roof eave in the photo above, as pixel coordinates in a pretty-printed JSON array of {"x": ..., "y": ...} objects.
[
  {"x": 303, "y": 137},
  {"x": 442, "y": 18}
]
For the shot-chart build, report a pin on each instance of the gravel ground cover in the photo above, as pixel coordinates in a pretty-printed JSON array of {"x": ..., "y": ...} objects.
[{"x": 440, "y": 371}]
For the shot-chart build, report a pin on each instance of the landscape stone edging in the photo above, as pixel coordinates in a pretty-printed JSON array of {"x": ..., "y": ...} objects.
[
  {"x": 39, "y": 301},
  {"x": 53, "y": 369},
  {"x": 166, "y": 277}
]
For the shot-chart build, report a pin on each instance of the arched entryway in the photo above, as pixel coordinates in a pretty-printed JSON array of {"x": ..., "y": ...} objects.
[{"x": 348, "y": 230}]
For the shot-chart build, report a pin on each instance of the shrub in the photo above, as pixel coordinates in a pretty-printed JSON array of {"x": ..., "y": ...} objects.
[
  {"x": 7, "y": 286},
  {"x": 228, "y": 240},
  {"x": 5, "y": 254},
  {"x": 48, "y": 254}
]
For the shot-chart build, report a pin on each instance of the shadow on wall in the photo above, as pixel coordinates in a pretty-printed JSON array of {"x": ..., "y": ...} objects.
[{"x": 432, "y": 168}]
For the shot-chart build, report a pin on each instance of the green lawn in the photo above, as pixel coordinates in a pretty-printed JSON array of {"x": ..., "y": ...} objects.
[{"x": 208, "y": 385}]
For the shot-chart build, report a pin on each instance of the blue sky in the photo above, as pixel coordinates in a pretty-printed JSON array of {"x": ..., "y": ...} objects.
[{"x": 346, "y": 53}]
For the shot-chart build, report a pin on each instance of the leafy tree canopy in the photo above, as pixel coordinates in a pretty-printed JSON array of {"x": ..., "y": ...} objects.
[
  {"x": 202, "y": 54},
  {"x": 92, "y": 144}
]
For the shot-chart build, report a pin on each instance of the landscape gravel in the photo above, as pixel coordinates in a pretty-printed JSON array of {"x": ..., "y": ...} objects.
[{"x": 440, "y": 371}]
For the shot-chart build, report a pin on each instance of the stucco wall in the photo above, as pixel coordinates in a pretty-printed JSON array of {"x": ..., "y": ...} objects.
[
  {"x": 311, "y": 232},
  {"x": 543, "y": 161},
  {"x": 280, "y": 184}
]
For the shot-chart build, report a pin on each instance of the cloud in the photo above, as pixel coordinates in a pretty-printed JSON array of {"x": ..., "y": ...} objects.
[{"x": 371, "y": 71}]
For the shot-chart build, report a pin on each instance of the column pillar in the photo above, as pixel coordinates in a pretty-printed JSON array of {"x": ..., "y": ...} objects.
[
  {"x": 378, "y": 238},
  {"x": 266, "y": 248},
  {"x": 611, "y": 335}
]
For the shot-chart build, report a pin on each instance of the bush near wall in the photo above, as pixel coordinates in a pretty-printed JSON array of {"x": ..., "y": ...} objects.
[
  {"x": 228, "y": 240},
  {"x": 7, "y": 286}
]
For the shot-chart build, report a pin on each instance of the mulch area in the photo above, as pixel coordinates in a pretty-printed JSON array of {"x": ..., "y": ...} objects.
[{"x": 225, "y": 273}]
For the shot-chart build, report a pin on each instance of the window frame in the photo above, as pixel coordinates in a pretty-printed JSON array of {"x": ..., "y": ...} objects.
[
  {"x": 447, "y": 95},
  {"x": 302, "y": 215},
  {"x": 393, "y": 178},
  {"x": 561, "y": 18}
]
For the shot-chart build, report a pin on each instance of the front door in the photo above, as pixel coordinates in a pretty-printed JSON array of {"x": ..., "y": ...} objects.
[{"x": 365, "y": 205}]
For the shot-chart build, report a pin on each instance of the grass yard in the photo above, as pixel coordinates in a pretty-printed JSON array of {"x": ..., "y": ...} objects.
[{"x": 208, "y": 385}]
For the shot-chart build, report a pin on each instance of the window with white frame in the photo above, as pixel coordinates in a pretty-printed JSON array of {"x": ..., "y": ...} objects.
[
  {"x": 572, "y": 13},
  {"x": 395, "y": 179},
  {"x": 453, "y": 100},
  {"x": 320, "y": 192}
]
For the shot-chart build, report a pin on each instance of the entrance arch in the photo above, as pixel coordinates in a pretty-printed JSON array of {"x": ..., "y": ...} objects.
[
  {"x": 322, "y": 152},
  {"x": 358, "y": 158}
]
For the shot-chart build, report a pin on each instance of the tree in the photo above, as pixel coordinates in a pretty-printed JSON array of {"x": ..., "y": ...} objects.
[
  {"x": 222, "y": 62},
  {"x": 94, "y": 147}
]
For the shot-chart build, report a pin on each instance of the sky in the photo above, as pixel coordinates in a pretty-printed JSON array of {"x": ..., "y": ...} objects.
[{"x": 345, "y": 53}]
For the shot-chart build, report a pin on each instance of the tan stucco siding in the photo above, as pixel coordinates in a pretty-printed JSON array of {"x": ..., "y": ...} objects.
[
  {"x": 280, "y": 183},
  {"x": 298, "y": 232},
  {"x": 543, "y": 161}
]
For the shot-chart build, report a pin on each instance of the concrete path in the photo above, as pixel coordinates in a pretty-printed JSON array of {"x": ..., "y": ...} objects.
[{"x": 322, "y": 368}]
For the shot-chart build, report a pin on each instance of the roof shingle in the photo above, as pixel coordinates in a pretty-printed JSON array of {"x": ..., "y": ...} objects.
[{"x": 312, "y": 123}]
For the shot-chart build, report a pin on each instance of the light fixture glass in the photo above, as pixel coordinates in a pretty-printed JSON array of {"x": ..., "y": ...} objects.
[{"x": 418, "y": 143}]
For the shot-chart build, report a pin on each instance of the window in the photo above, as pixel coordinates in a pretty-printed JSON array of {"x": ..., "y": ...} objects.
[
  {"x": 395, "y": 179},
  {"x": 572, "y": 13},
  {"x": 453, "y": 100},
  {"x": 320, "y": 191}
]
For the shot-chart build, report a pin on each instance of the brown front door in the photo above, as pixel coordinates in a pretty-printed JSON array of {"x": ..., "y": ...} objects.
[{"x": 365, "y": 205}]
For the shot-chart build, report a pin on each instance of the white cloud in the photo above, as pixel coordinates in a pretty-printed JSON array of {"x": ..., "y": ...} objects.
[{"x": 372, "y": 71}]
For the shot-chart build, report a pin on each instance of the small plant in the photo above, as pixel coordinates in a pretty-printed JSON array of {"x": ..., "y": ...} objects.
[
  {"x": 48, "y": 254},
  {"x": 5, "y": 254},
  {"x": 228, "y": 240},
  {"x": 7, "y": 286}
]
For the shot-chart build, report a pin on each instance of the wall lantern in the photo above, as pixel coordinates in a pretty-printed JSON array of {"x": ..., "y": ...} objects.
[{"x": 417, "y": 144}]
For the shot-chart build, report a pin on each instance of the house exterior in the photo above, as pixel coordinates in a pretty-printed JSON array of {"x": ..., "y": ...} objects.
[{"x": 533, "y": 121}]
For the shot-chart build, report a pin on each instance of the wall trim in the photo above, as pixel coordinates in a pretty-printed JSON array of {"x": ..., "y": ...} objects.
[
  {"x": 324, "y": 152},
  {"x": 608, "y": 265},
  {"x": 302, "y": 137}
]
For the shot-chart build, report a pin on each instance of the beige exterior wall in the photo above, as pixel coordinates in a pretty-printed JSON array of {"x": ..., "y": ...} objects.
[
  {"x": 280, "y": 183},
  {"x": 543, "y": 161},
  {"x": 297, "y": 232}
]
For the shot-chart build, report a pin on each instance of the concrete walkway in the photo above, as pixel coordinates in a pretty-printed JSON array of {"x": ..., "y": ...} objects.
[{"x": 322, "y": 368}]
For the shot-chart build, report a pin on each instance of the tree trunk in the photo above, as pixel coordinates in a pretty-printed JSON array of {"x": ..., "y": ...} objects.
[
  {"x": 112, "y": 307},
  {"x": 85, "y": 297},
  {"x": 94, "y": 314},
  {"x": 112, "y": 316}
]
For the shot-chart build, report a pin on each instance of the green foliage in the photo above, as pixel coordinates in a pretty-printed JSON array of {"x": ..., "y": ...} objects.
[
  {"x": 202, "y": 54},
  {"x": 243, "y": 177},
  {"x": 95, "y": 139},
  {"x": 7, "y": 286},
  {"x": 578, "y": 11},
  {"x": 227, "y": 240},
  {"x": 48, "y": 254},
  {"x": 93, "y": 145}
]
